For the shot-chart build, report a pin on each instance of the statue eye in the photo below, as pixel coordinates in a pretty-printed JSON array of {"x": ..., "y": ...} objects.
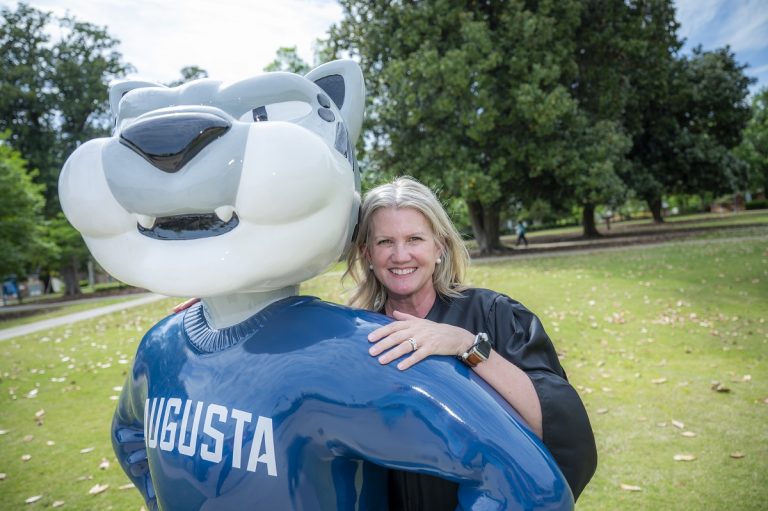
[
  {"x": 284, "y": 111},
  {"x": 259, "y": 114}
]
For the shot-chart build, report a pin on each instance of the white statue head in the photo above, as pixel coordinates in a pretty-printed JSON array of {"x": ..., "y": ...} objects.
[{"x": 214, "y": 188}]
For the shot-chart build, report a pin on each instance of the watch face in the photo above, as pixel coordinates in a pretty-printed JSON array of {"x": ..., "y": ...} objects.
[{"x": 484, "y": 347}]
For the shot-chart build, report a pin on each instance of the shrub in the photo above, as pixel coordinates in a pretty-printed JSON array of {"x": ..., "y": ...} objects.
[{"x": 757, "y": 204}]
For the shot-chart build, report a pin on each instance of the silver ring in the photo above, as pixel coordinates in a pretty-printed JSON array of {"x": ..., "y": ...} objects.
[{"x": 413, "y": 343}]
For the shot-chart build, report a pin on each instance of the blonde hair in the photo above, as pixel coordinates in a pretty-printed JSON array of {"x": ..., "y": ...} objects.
[{"x": 406, "y": 192}]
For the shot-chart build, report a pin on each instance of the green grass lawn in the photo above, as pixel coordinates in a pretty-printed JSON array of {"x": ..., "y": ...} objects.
[{"x": 643, "y": 333}]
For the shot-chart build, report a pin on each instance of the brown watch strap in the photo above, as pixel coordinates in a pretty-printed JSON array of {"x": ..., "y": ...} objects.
[
  {"x": 478, "y": 352},
  {"x": 473, "y": 358}
]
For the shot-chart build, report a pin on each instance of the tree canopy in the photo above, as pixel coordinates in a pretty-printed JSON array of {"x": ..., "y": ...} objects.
[
  {"x": 468, "y": 97},
  {"x": 288, "y": 59},
  {"x": 53, "y": 93},
  {"x": 687, "y": 132},
  {"x": 754, "y": 146},
  {"x": 53, "y": 96},
  {"x": 570, "y": 103},
  {"x": 21, "y": 218},
  {"x": 189, "y": 73}
]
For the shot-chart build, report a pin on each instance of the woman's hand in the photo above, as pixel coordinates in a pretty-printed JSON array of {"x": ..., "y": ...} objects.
[{"x": 419, "y": 337}]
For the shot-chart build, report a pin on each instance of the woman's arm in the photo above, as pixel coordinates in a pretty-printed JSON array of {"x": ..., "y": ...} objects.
[
  {"x": 432, "y": 338},
  {"x": 515, "y": 386},
  {"x": 554, "y": 411}
]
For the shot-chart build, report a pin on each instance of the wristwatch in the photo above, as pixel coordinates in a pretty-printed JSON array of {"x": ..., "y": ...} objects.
[{"x": 478, "y": 352}]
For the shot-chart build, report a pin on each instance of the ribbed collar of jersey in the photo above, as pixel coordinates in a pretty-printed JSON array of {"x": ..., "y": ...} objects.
[{"x": 210, "y": 340}]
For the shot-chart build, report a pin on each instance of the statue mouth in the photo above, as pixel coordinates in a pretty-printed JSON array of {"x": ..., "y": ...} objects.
[{"x": 187, "y": 227}]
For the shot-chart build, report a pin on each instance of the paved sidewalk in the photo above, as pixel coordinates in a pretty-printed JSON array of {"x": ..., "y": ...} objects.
[{"x": 9, "y": 333}]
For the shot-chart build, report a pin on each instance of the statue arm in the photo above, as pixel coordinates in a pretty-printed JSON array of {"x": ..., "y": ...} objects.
[
  {"x": 128, "y": 439},
  {"x": 444, "y": 423}
]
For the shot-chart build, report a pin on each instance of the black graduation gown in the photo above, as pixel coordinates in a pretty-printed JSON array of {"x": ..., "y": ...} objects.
[{"x": 517, "y": 335}]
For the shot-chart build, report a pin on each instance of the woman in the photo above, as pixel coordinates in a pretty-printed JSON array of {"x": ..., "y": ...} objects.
[{"x": 409, "y": 263}]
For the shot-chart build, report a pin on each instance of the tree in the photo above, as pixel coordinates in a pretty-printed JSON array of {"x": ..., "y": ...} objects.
[
  {"x": 53, "y": 93},
  {"x": 72, "y": 254},
  {"x": 754, "y": 146},
  {"x": 651, "y": 67},
  {"x": 597, "y": 163},
  {"x": 686, "y": 141},
  {"x": 468, "y": 97},
  {"x": 189, "y": 73},
  {"x": 22, "y": 239},
  {"x": 606, "y": 41},
  {"x": 288, "y": 59},
  {"x": 25, "y": 91}
]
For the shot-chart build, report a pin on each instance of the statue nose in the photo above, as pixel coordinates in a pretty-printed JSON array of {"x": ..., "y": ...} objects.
[{"x": 169, "y": 141}]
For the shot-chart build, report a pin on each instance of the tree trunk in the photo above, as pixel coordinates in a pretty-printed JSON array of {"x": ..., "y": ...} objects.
[
  {"x": 485, "y": 226},
  {"x": 588, "y": 221},
  {"x": 71, "y": 279},
  {"x": 654, "y": 204}
]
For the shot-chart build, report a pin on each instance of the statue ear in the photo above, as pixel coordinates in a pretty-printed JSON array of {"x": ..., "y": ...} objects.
[
  {"x": 118, "y": 89},
  {"x": 343, "y": 81}
]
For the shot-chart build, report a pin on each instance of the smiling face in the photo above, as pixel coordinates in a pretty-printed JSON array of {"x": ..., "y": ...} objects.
[{"x": 403, "y": 251}]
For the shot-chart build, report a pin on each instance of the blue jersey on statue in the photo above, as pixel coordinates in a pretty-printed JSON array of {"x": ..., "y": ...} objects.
[{"x": 287, "y": 410}]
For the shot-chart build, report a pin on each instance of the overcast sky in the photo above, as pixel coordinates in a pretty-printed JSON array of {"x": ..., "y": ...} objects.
[{"x": 232, "y": 39}]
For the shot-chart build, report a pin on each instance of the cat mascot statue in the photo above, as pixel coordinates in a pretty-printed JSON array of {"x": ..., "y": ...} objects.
[{"x": 255, "y": 397}]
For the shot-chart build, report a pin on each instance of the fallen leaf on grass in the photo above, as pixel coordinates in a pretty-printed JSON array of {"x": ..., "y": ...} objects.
[
  {"x": 31, "y": 394},
  {"x": 719, "y": 387},
  {"x": 128, "y": 486},
  {"x": 4, "y": 431},
  {"x": 104, "y": 464},
  {"x": 737, "y": 455},
  {"x": 678, "y": 424},
  {"x": 32, "y": 500},
  {"x": 26, "y": 457},
  {"x": 683, "y": 457},
  {"x": 86, "y": 450},
  {"x": 688, "y": 434},
  {"x": 50, "y": 443},
  {"x": 57, "y": 503},
  {"x": 99, "y": 488},
  {"x": 630, "y": 487},
  {"x": 85, "y": 478},
  {"x": 746, "y": 377},
  {"x": 2, "y": 476},
  {"x": 28, "y": 438},
  {"x": 657, "y": 381}
]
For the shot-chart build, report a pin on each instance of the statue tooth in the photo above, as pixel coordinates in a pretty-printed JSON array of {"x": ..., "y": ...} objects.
[
  {"x": 146, "y": 221},
  {"x": 224, "y": 213}
]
